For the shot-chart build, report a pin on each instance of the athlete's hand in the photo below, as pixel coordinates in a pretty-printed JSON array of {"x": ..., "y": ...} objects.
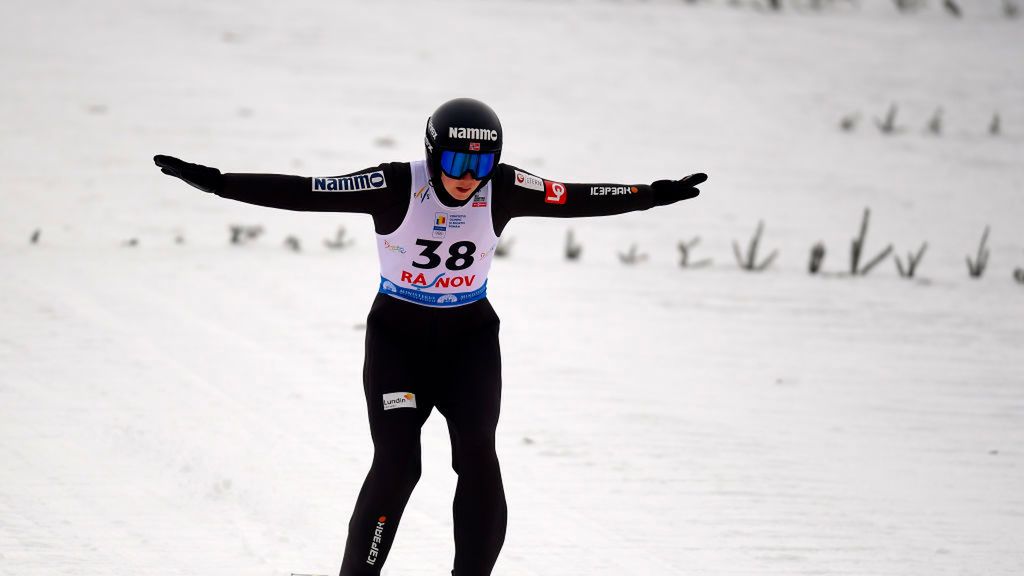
[
  {"x": 669, "y": 191},
  {"x": 203, "y": 177}
]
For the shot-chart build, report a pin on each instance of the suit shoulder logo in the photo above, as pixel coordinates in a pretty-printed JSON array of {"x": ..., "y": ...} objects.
[
  {"x": 354, "y": 183},
  {"x": 529, "y": 181},
  {"x": 556, "y": 192}
]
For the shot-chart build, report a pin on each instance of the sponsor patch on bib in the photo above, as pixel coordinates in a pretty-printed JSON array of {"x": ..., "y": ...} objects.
[{"x": 440, "y": 225}]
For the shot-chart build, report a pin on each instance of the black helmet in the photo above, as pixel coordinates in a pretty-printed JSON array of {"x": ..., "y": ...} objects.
[{"x": 463, "y": 135}]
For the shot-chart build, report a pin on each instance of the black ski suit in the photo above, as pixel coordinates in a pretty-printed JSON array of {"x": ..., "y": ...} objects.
[{"x": 468, "y": 395}]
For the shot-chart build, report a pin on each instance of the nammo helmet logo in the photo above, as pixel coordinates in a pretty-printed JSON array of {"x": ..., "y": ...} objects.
[{"x": 473, "y": 133}]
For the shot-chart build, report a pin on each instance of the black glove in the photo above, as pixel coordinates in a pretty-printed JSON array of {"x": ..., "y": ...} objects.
[
  {"x": 669, "y": 191},
  {"x": 203, "y": 177}
]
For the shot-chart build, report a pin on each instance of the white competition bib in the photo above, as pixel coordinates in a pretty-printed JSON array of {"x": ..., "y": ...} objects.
[{"x": 439, "y": 255}]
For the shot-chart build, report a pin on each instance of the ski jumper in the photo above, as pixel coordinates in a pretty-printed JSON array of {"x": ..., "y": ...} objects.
[{"x": 435, "y": 253}]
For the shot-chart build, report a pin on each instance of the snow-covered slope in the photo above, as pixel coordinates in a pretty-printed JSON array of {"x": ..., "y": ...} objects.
[{"x": 197, "y": 408}]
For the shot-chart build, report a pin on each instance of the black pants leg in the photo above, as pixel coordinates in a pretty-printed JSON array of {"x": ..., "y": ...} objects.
[
  {"x": 470, "y": 400},
  {"x": 391, "y": 365},
  {"x": 448, "y": 358}
]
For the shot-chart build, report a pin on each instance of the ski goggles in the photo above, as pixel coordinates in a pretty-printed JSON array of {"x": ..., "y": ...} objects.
[{"x": 456, "y": 164}]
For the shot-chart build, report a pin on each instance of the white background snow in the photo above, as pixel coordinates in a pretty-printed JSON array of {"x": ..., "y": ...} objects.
[{"x": 176, "y": 409}]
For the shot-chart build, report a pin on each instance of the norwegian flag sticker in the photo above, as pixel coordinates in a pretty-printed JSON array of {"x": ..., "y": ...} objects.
[
  {"x": 556, "y": 193},
  {"x": 474, "y": 146}
]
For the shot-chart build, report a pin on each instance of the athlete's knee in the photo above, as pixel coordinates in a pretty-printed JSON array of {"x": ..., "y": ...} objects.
[
  {"x": 474, "y": 452},
  {"x": 401, "y": 466}
]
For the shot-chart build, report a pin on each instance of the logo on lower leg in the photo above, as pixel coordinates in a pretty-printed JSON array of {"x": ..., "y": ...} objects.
[{"x": 378, "y": 533}]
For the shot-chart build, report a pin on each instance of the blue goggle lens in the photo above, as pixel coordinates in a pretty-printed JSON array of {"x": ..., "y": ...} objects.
[{"x": 456, "y": 164}]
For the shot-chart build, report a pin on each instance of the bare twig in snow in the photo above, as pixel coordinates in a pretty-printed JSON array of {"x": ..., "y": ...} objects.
[
  {"x": 857, "y": 249},
  {"x": 976, "y": 267},
  {"x": 243, "y": 234},
  {"x": 1010, "y": 9},
  {"x": 749, "y": 262},
  {"x": 504, "y": 248},
  {"x": 817, "y": 258},
  {"x": 849, "y": 122},
  {"x": 684, "y": 254},
  {"x": 906, "y": 6},
  {"x": 953, "y": 8},
  {"x": 340, "y": 240},
  {"x": 913, "y": 260},
  {"x": 572, "y": 249},
  {"x": 632, "y": 257},
  {"x": 935, "y": 124},
  {"x": 995, "y": 127},
  {"x": 888, "y": 125}
]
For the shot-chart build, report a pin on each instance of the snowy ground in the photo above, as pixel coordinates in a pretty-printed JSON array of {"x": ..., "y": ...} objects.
[{"x": 197, "y": 408}]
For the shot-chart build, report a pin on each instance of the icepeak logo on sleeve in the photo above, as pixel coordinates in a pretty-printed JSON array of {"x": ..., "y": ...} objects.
[
  {"x": 612, "y": 190},
  {"x": 353, "y": 183},
  {"x": 399, "y": 400},
  {"x": 529, "y": 181},
  {"x": 556, "y": 193}
]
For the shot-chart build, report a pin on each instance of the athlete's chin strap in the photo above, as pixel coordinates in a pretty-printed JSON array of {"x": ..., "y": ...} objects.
[
  {"x": 447, "y": 199},
  {"x": 450, "y": 201}
]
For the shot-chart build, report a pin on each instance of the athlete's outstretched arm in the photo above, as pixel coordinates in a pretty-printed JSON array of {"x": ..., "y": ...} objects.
[
  {"x": 519, "y": 193},
  {"x": 363, "y": 191}
]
